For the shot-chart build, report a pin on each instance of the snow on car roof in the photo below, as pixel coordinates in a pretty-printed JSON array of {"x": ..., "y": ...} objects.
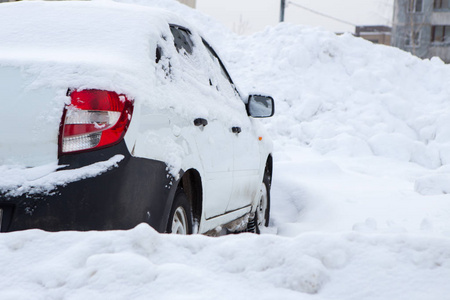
[
  {"x": 84, "y": 44},
  {"x": 95, "y": 29},
  {"x": 103, "y": 45}
]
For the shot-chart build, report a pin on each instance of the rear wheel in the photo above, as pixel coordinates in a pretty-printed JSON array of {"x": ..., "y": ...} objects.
[{"x": 180, "y": 218}]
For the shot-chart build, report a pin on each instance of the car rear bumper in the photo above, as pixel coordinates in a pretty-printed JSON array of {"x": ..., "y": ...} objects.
[{"x": 137, "y": 190}]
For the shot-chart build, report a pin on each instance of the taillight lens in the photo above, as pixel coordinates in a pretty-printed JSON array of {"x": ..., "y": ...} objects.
[{"x": 94, "y": 119}]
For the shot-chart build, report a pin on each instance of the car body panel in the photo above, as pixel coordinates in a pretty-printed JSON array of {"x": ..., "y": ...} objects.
[
  {"x": 117, "y": 199},
  {"x": 34, "y": 128}
]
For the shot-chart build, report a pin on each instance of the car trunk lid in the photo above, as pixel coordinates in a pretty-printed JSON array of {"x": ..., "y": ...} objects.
[{"x": 30, "y": 118}]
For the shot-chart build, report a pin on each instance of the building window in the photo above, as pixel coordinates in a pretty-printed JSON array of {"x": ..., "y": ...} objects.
[
  {"x": 413, "y": 39},
  {"x": 440, "y": 34},
  {"x": 441, "y": 4},
  {"x": 415, "y": 6}
]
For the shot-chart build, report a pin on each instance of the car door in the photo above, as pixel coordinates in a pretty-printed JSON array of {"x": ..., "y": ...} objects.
[
  {"x": 246, "y": 154},
  {"x": 247, "y": 159},
  {"x": 213, "y": 140}
]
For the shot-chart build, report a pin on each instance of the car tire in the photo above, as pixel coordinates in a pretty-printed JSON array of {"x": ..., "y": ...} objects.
[
  {"x": 262, "y": 213},
  {"x": 180, "y": 218}
]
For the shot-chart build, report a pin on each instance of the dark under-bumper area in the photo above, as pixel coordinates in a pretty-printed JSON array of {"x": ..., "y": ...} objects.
[{"x": 137, "y": 190}]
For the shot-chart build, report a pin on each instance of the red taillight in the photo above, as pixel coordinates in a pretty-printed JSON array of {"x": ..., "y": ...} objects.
[{"x": 94, "y": 119}]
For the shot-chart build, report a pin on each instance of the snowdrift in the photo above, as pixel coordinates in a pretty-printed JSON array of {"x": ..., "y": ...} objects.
[
  {"x": 142, "y": 264},
  {"x": 344, "y": 95}
]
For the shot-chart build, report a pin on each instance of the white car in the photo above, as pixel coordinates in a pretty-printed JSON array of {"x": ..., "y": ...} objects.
[{"x": 117, "y": 114}]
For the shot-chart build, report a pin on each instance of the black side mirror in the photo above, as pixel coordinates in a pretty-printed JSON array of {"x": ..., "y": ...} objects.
[{"x": 260, "y": 106}]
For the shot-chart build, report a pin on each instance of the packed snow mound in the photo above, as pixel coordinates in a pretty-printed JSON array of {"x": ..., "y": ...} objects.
[
  {"x": 346, "y": 96},
  {"x": 142, "y": 264}
]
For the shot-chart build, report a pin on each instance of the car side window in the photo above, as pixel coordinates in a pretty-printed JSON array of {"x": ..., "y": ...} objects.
[
  {"x": 226, "y": 81},
  {"x": 163, "y": 65},
  {"x": 182, "y": 39},
  {"x": 217, "y": 60},
  {"x": 200, "y": 64},
  {"x": 158, "y": 54}
]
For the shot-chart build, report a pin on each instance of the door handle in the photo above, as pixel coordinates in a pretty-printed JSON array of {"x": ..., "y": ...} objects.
[
  {"x": 200, "y": 122},
  {"x": 236, "y": 129}
]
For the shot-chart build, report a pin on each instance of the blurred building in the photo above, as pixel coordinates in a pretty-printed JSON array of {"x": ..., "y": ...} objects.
[
  {"x": 422, "y": 27},
  {"x": 190, "y": 3},
  {"x": 375, "y": 34}
]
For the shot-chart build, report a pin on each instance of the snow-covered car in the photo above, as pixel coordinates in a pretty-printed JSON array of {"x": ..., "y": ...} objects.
[{"x": 117, "y": 114}]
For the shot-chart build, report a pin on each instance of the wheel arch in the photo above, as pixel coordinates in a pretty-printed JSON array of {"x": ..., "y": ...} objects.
[{"x": 192, "y": 185}]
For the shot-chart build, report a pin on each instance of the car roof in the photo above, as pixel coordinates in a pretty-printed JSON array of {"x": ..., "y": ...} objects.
[
  {"x": 96, "y": 30},
  {"x": 83, "y": 44}
]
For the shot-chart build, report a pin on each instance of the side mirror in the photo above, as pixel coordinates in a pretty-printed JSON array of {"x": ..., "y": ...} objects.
[{"x": 260, "y": 106}]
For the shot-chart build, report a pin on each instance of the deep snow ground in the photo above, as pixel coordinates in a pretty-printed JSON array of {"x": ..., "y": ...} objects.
[
  {"x": 141, "y": 264},
  {"x": 360, "y": 208}
]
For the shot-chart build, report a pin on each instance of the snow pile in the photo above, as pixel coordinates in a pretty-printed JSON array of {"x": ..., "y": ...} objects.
[
  {"x": 141, "y": 264},
  {"x": 343, "y": 95}
]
